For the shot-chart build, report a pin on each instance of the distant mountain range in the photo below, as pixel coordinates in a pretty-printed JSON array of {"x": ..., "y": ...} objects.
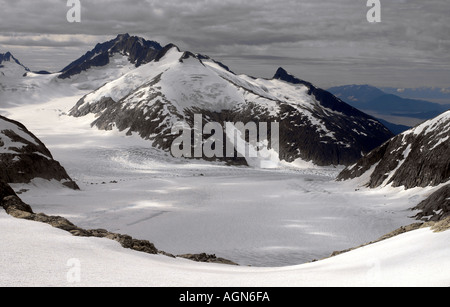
[
  {"x": 387, "y": 106},
  {"x": 433, "y": 94}
]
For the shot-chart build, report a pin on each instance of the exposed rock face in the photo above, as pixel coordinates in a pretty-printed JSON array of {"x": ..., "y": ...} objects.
[
  {"x": 314, "y": 125},
  {"x": 15, "y": 207},
  {"x": 418, "y": 157},
  {"x": 5, "y": 190},
  {"x": 138, "y": 51},
  {"x": 436, "y": 207},
  {"x": 24, "y": 157}
]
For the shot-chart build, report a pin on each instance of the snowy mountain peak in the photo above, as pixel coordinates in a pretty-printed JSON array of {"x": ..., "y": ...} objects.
[
  {"x": 5, "y": 57},
  {"x": 203, "y": 57},
  {"x": 124, "y": 36},
  {"x": 10, "y": 66},
  {"x": 283, "y": 75},
  {"x": 125, "y": 43},
  {"x": 167, "y": 49},
  {"x": 135, "y": 50}
]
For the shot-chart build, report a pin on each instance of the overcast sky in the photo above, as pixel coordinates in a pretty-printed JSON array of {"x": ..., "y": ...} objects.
[{"x": 326, "y": 42}]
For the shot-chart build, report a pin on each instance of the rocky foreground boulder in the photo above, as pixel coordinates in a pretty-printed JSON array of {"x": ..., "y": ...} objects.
[{"x": 24, "y": 157}]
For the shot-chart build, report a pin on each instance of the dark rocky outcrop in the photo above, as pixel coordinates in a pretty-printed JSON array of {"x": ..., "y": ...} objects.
[
  {"x": 15, "y": 207},
  {"x": 24, "y": 157},
  {"x": 206, "y": 258},
  {"x": 5, "y": 190},
  {"x": 436, "y": 207},
  {"x": 418, "y": 157}
]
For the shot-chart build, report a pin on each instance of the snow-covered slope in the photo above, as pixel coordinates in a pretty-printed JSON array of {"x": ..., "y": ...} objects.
[
  {"x": 35, "y": 254},
  {"x": 418, "y": 157},
  {"x": 314, "y": 125}
]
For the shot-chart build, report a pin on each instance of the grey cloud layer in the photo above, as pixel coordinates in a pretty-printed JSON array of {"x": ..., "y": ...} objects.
[{"x": 328, "y": 33}]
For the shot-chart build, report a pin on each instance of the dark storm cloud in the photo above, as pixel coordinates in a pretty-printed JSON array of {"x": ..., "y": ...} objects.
[{"x": 312, "y": 38}]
